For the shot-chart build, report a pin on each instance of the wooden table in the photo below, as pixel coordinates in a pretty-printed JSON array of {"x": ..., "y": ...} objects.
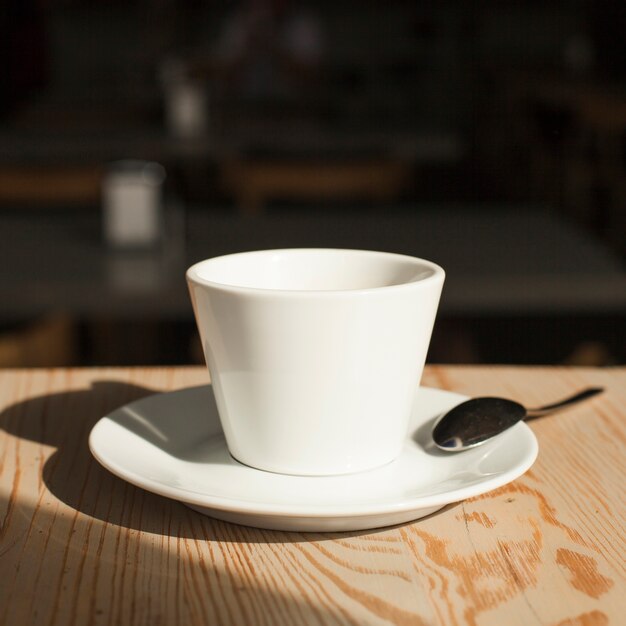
[{"x": 79, "y": 546}]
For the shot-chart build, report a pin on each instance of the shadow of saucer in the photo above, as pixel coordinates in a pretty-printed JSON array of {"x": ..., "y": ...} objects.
[{"x": 65, "y": 420}]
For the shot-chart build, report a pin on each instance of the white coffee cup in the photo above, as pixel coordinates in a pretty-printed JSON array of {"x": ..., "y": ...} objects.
[{"x": 315, "y": 355}]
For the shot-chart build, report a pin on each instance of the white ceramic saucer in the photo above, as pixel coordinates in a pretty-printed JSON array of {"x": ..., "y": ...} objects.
[{"x": 172, "y": 444}]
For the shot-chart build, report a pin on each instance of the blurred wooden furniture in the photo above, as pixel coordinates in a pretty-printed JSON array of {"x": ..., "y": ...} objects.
[
  {"x": 80, "y": 546},
  {"x": 255, "y": 183},
  {"x": 30, "y": 185},
  {"x": 500, "y": 259},
  {"x": 508, "y": 262},
  {"x": 48, "y": 342}
]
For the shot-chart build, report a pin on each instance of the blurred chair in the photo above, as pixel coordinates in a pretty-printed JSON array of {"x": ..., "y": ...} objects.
[
  {"x": 577, "y": 152},
  {"x": 555, "y": 141},
  {"x": 604, "y": 117},
  {"x": 591, "y": 354},
  {"x": 255, "y": 183},
  {"x": 50, "y": 342},
  {"x": 50, "y": 186}
]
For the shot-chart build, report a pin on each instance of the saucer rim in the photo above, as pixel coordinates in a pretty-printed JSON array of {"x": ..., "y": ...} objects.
[{"x": 525, "y": 437}]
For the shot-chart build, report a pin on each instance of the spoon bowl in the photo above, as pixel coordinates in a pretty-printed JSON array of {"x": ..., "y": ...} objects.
[{"x": 478, "y": 420}]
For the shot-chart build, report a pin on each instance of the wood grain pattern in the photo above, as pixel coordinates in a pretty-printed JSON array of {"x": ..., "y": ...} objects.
[{"x": 79, "y": 546}]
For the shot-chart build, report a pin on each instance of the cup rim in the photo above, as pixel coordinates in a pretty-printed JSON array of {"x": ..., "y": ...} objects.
[{"x": 437, "y": 276}]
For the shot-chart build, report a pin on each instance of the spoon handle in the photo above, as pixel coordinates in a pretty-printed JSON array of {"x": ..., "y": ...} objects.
[{"x": 549, "y": 408}]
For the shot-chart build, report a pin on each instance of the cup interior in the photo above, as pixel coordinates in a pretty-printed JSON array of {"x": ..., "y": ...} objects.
[{"x": 313, "y": 270}]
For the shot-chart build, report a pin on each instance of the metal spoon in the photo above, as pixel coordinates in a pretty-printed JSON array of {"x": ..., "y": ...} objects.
[{"x": 475, "y": 421}]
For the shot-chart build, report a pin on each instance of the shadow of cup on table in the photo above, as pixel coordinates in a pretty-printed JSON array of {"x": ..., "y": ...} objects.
[{"x": 64, "y": 421}]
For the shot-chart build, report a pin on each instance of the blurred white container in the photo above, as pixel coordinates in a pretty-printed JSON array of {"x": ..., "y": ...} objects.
[
  {"x": 185, "y": 99},
  {"x": 132, "y": 204},
  {"x": 186, "y": 106}
]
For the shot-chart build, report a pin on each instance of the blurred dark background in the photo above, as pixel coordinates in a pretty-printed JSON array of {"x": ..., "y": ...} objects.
[{"x": 487, "y": 136}]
